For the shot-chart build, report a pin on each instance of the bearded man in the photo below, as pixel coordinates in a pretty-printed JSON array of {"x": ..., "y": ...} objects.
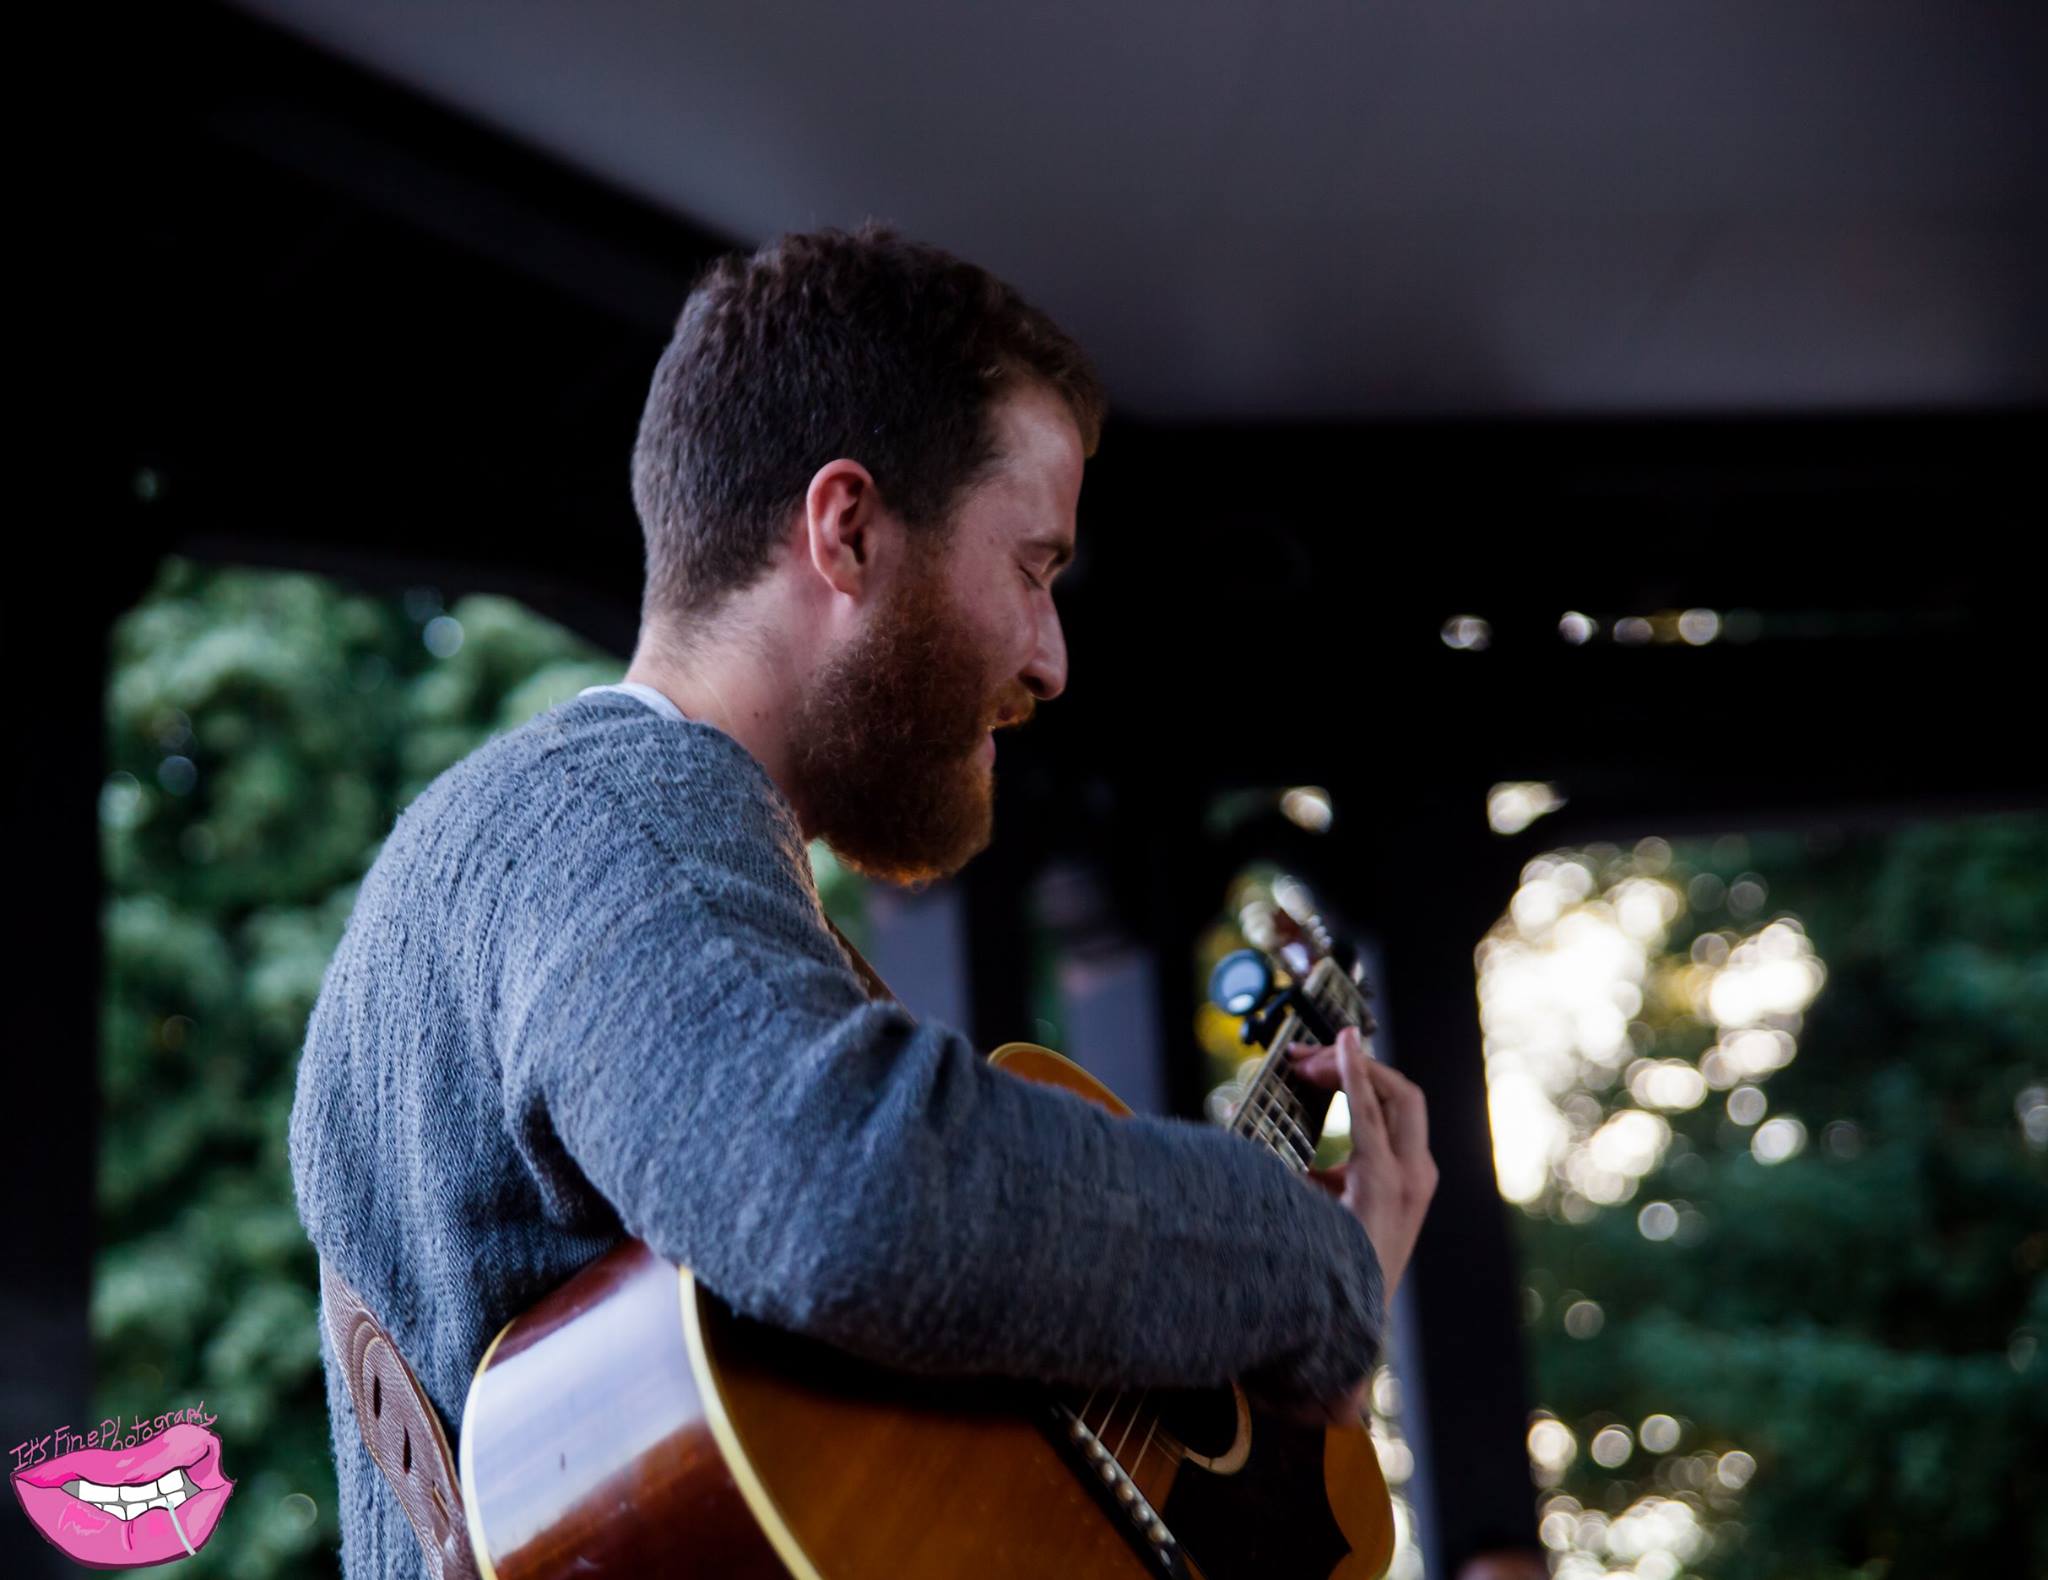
[{"x": 588, "y": 991}]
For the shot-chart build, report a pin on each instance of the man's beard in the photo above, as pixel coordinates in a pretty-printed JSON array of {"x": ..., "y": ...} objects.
[{"x": 887, "y": 743}]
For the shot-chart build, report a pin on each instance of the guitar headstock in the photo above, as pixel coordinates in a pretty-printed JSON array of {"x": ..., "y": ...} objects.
[
  {"x": 1298, "y": 982},
  {"x": 1295, "y": 964}
]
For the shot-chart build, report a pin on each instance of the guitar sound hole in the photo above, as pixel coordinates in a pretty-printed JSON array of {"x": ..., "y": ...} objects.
[{"x": 1203, "y": 1420}]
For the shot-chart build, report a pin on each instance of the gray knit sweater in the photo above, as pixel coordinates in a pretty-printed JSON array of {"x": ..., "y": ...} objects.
[{"x": 587, "y": 992}]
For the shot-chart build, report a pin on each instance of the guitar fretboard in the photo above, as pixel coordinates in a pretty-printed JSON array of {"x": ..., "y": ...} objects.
[{"x": 1278, "y": 1111}]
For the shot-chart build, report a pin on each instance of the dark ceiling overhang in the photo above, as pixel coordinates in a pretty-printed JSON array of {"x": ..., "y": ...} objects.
[
  {"x": 1333, "y": 209},
  {"x": 360, "y": 332}
]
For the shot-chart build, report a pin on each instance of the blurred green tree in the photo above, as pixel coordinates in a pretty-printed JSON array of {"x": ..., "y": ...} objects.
[
  {"x": 264, "y": 730},
  {"x": 1823, "y": 1339}
]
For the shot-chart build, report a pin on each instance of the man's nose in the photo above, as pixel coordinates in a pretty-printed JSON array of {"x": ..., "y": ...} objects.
[{"x": 1046, "y": 673}]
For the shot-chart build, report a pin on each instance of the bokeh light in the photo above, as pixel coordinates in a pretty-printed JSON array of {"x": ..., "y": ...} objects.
[
  {"x": 1466, "y": 632},
  {"x": 1621, "y": 990},
  {"x": 1611, "y": 1446},
  {"x": 1699, "y": 626},
  {"x": 1584, "y": 1318},
  {"x": 2032, "y": 1107},
  {"x": 1308, "y": 806},
  {"x": 1551, "y": 1445},
  {"x": 1585, "y": 1007},
  {"x": 1513, "y": 806},
  {"x": 1652, "y": 1538},
  {"x": 1778, "y": 1139}
]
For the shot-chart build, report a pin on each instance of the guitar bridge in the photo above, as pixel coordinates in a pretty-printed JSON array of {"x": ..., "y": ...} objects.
[{"x": 1112, "y": 1486}]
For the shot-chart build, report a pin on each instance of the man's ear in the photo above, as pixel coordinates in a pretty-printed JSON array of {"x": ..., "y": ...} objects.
[{"x": 843, "y": 525}]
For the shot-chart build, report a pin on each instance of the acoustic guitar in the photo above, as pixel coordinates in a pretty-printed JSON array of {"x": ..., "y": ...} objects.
[{"x": 632, "y": 1424}]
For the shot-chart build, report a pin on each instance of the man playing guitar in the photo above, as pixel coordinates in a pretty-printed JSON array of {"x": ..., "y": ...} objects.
[{"x": 588, "y": 992}]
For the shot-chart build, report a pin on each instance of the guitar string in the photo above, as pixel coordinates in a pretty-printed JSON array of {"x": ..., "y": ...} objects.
[
  {"x": 1264, "y": 1105},
  {"x": 1292, "y": 1133},
  {"x": 1262, "y": 1114},
  {"x": 1272, "y": 1111},
  {"x": 1266, "y": 1102},
  {"x": 1298, "y": 1124},
  {"x": 1137, "y": 1410},
  {"x": 1275, "y": 1138},
  {"x": 1295, "y": 1134},
  {"x": 1138, "y": 1458}
]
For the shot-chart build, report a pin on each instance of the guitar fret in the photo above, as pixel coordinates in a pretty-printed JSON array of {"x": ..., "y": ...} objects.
[
  {"x": 1340, "y": 998},
  {"x": 1277, "y": 1120}
]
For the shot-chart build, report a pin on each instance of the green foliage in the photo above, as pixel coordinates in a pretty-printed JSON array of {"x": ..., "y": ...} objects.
[
  {"x": 843, "y": 894},
  {"x": 1865, "y": 1317},
  {"x": 264, "y": 730}
]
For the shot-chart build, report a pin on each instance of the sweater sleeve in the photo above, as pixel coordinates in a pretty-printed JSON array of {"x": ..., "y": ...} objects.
[{"x": 827, "y": 1163}]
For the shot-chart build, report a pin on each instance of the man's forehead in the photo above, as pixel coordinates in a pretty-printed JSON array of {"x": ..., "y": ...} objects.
[
  {"x": 1038, "y": 429},
  {"x": 1041, "y": 447}
]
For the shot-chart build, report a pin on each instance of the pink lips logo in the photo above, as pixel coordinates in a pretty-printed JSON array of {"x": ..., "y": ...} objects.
[{"x": 121, "y": 1508}]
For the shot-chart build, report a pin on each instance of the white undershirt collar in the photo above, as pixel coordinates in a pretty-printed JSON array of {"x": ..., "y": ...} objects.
[{"x": 647, "y": 694}]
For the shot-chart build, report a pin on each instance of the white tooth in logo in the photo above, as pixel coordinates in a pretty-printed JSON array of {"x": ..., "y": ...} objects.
[{"x": 125, "y": 1503}]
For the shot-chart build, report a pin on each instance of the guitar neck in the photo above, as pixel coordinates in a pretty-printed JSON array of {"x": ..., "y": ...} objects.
[{"x": 1280, "y": 1110}]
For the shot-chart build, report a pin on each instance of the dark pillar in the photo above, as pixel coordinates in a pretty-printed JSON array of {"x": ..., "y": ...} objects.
[
  {"x": 997, "y": 890},
  {"x": 1443, "y": 880},
  {"x": 57, "y": 630}
]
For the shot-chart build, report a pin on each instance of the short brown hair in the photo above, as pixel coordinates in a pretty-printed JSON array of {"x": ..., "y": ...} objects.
[{"x": 827, "y": 344}]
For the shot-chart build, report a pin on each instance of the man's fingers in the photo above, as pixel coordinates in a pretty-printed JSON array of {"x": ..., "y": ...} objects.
[
  {"x": 1406, "y": 1108},
  {"x": 1368, "y": 1123},
  {"x": 1314, "y": 1063},
  {"x": 1319, "y": 1060},
  {"x": 1345, "y": 1065}
]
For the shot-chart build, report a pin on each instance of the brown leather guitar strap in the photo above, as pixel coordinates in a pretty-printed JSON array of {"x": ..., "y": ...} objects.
[
  {"x": 401, "y": 1429},
  {"x": 876, "y": 987}
]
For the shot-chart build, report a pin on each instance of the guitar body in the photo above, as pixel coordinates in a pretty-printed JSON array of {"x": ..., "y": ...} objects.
[{"x": 633, "y": 1424}]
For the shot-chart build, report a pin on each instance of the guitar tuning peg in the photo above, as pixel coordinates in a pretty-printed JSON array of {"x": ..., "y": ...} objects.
[{"x": 1260, "y": 925}]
